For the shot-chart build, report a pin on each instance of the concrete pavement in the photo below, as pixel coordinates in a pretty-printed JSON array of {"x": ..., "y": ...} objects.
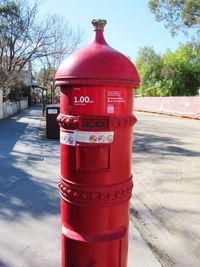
[
  {"x": 29, "y": 198},
  {"x": 166, "y": 171}
]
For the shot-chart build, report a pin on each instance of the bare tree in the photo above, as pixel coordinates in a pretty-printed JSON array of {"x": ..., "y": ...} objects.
[
  {"x": 24, "y": 38},
  {"x": 65, "y": 41}
]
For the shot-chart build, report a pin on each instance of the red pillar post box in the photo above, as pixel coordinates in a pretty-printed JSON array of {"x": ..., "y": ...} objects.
[{"x": 96, "y": 119}]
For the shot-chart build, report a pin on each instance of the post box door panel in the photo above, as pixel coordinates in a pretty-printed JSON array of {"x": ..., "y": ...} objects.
[{"x": 92, "y": 157}]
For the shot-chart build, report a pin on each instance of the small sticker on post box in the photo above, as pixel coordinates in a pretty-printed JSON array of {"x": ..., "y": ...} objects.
[
  {"x": 71, "y": 137},
  {"x": 68, "y": 138},
  {"x": 94, "y": 137}
]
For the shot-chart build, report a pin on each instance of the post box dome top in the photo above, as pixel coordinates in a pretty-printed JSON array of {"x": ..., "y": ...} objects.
[{"x": 97, "y": 64}]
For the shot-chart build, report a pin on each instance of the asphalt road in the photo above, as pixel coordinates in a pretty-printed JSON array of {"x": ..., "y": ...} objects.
[{"x": 166, "y": 199}]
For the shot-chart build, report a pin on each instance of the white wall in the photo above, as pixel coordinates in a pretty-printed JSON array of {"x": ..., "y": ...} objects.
[
  {"x": 23, "y": 104},
  {"x": 188, "y": 106},
  {"x": 11, "y": 108}
]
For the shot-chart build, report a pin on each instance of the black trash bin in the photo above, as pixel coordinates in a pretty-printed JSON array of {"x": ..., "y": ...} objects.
[{"x": 52, "y": 127}]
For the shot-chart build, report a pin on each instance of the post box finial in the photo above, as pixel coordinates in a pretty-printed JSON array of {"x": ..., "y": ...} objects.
[{"x": 99, "y": 24}]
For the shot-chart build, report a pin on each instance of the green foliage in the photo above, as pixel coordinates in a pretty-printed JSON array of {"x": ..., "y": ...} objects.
[
  {"x": 45, "y": 78},
  {"x": 181, "y": 71},
  {"x": 149, "y": 65},
  {"x": 177, "y": 14},
  {"x": 173, "y": 74}
]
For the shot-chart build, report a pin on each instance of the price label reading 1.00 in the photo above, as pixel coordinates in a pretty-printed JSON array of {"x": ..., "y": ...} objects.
[{"x": 82, "y": 100}]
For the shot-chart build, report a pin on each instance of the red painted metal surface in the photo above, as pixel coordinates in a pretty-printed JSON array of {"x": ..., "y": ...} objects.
[
  {"x": 97, "y": 63},
  {"x": 96, "y": 119}
]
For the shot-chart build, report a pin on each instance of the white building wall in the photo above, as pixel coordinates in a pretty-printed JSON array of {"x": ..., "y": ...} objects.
[{"x": 25, "y": 74}]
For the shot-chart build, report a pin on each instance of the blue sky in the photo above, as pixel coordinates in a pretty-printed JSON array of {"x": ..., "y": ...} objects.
[{"x": 130, "y": 24}]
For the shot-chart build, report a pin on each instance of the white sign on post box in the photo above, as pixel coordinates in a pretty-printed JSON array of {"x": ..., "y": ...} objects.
[{"x": 52, "y": 111}]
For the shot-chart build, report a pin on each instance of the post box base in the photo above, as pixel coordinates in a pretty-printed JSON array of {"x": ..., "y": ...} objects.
[{"x": 94, "y": 254}]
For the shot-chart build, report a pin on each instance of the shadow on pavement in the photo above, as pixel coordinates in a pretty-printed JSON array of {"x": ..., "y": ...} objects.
[
  {"x": 3, "y": 264},
  {"x": 152, "y": 144},
  {"x": 21, "y": 189}
]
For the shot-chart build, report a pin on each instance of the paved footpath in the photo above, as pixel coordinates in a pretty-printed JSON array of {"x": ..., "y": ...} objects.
[
  {"x": 166, "y": 196},
  {"x": 29, "y": 198}
]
